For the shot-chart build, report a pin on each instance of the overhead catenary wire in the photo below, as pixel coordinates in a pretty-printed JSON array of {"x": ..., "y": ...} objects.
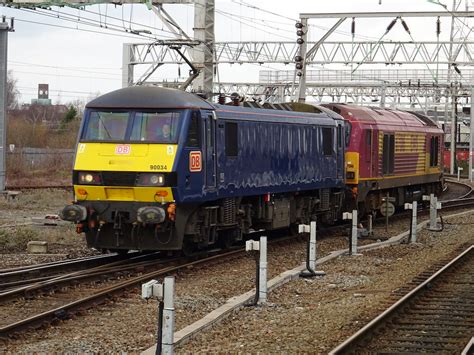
[{"x": 86, "y": 21}]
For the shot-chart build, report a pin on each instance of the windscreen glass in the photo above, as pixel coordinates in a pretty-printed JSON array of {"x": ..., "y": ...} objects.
[
  {"x": 158, "y": 127},
  {"x": 134, "y": 126},
  {"x": 106, "y": 126}
]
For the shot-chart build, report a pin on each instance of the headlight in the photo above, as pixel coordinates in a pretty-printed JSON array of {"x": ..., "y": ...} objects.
[
  {"x": 89, "y": 178},
  {"x": 151, "y": 180}
]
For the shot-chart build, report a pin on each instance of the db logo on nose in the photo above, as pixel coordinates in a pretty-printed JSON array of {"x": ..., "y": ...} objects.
[
  {"x": 123, "y": 149},
  {"x": 195, "y": 164}
]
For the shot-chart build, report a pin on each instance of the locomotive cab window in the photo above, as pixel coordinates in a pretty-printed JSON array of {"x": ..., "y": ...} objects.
[
  {"x": 231, "y": 139},
  {"x": 434, "y": 151},
  {"x": 328, "y": 141},
  {"x": 193, "y": 132},
  {"x": 159, "y": 127},
  {"x": 105, "y": 126}
]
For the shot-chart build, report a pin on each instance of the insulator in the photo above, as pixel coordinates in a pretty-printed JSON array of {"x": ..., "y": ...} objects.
[
  {"x": 405, "y": 26},
  {"x": 179, "y": 71},
  {"x": 298, "y": 25},
  {"x": 4, "y": 18},
  {"x": 298, "y": 58},
  {"x": 299, "y": 73},
  {"x": 300, "y": 41},
  {"x": 353, "y": 26},
  {"x": 299, "y": 66},
  {"x": 438, "y": 26},
  {"x": 299, "y": 33},
  {"x": 457, "y": 70},
  {"x": 392, "y": 24}
]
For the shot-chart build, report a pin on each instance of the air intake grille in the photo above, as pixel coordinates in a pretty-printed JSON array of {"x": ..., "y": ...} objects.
[{"x": 229, "y": 211}]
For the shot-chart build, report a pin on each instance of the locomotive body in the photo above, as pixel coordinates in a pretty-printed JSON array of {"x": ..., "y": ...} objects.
[
  {"x": 394, "y": 153},
  {"x": 162, "y": 169}
]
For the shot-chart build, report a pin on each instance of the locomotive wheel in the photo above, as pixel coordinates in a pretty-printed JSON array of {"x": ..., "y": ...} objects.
[
  {"x": 225, "y": 241},
  {"x": 189, "y": 247}
]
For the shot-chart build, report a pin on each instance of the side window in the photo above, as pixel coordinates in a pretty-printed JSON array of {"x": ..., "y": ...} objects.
[
  {"x": 388, "y": 157},
  {"x": 327, "y": 141},
  {"x": 434, "y": 151},
  {"x": 339, "y": 136},
  {"x": 193, "y": 132},
  {"x": 231, "y": 139},
  {"x": 368, "y": 145}
]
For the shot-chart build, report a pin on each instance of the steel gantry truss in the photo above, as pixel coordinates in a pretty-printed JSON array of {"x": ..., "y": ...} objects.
[{"x": 328, "y": 53}]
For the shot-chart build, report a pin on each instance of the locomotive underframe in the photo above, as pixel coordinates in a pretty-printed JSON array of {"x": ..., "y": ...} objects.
[
  {"x": 114, "y": 226},
  {"x": 403, "y": 189}
]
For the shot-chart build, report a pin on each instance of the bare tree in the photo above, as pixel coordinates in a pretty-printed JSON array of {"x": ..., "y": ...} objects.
[{"x": 12, "y": 92}]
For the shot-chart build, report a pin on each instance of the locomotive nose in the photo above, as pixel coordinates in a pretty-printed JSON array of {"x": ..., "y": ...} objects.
[
  {"x": 73, "y": 213},
  {"x": 151, "y": 214}
]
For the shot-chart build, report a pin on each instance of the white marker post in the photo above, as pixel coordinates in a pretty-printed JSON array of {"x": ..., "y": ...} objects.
[
  {"x": 459, "y": 173},
  {"x": 168, "y": 316},
  {"x": 311, "y": 254},
  {"x": 412, "y": 206},
  {"x": 353, "y": 242},
  {"x": 434, "y": 207},
  {"x": 261, "y": 277},
  {"x": 165, "y": 295}
]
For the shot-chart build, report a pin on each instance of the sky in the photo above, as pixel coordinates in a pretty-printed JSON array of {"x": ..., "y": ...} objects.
[{"x": 80, "y": 61}]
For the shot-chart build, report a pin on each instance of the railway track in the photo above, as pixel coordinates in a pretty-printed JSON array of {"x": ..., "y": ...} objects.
[
  {"x": 98, "y": 296},
  {"x": 91, "y": 296},
  {"x": 31, "y": 273},
  {"x": 30, "y": 287},
  {"x": 456, "y": 190},
  {"x": 436, "y": 317}
]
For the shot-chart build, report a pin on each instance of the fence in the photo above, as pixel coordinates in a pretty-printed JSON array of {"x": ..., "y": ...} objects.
[{"x": 36, "y": 158}]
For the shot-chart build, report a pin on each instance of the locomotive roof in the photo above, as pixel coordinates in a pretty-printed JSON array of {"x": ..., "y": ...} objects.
[
  {"x": 149, "y": 97},
  {"x": 324, "y": 117},
  {"x": 383, "y": 117}
]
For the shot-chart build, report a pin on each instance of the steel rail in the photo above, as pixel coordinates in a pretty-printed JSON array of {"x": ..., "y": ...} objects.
[
  {"x": 22, "y": 273},
  {"x": 64, "y": 311},
  {"x": 349, "y": 344},
  {"x": 64, "y": 279},
  {"x": 459, "y": 183}
]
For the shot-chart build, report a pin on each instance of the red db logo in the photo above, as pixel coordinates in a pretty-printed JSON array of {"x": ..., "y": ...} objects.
[
  {"x": 123, "y": 149},
  {"x": 195, "y": 161}
]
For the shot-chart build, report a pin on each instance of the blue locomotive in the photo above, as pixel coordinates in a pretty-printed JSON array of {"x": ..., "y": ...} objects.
[{"x": 162, "y": 169}]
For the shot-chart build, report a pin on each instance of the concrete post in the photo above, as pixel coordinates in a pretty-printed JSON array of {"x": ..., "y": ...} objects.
[
  {"x": 459, "y": 173},
  {"x": 412, "y": 206},
  {"x": 312, "y": 246},
  {"x": 354, "y": 231},
  {"x": 262, "y": 292},
  {"x": 168, "y": 316},
  {"x": 353, "y": 249},
  {"x": 434, "y": 207}
]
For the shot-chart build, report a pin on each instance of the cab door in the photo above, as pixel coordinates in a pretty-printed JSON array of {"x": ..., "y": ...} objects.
[{"x": 209, "y": 127}]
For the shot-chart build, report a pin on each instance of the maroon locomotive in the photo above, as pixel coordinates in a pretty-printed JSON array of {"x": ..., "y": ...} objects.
[{"x": 390, "y": 152}]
